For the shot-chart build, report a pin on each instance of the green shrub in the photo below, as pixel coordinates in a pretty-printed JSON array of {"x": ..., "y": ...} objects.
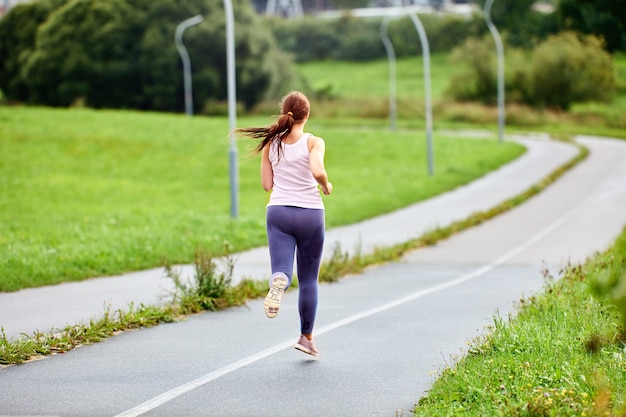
[
  {"x": 563, "y": 70},
  {"x": 208, "y": 287},
  {"x": 479, "y": 82},
  {"x": 569, "y": 68}
]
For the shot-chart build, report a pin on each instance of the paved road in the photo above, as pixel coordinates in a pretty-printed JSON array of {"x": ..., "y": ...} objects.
[{"x": 381, "y": 334}]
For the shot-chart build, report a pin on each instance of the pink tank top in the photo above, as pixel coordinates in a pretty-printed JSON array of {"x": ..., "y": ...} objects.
[{"x": 294, "y": 184}]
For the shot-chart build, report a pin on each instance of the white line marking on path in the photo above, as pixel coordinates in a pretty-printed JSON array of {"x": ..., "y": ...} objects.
[{"x": 185, "y": 388}]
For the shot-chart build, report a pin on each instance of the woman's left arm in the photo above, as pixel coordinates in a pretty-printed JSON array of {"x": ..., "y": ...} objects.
[{"x": 317, "y": 149}]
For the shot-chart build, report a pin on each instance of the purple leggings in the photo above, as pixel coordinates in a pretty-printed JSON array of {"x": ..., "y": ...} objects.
[{"x": 295, "y": 228}]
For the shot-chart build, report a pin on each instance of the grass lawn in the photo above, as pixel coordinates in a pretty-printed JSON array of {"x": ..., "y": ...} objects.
[
  {"x": 328, "y": 75},
  {"x": 88, "y": 193}
]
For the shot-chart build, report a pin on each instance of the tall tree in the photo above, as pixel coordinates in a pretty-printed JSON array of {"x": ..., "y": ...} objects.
[{"x": 18, "y": 32}]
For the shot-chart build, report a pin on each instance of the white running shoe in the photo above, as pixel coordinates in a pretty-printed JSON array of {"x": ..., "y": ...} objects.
[{"x": 272, "y": 300}]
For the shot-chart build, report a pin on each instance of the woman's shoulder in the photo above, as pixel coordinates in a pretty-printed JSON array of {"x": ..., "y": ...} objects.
[{"x": 313, "y": 140}]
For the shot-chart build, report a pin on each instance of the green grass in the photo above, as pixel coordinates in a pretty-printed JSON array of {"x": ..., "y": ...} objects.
[
  {"x": 91, "y": 193},
  {"x": 375, "y": 75},
  {"x": 562, "y": 355}
]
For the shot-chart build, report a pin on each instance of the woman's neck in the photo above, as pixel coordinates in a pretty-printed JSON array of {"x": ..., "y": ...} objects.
[{"x": 296, "y": 133}]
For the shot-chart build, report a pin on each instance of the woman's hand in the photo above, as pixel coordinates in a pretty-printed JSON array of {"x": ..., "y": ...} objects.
[{"x": 328, "y": 188}]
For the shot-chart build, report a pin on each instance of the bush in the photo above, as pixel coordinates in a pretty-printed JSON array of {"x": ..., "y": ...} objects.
[
  {"x": 563, "y": 70},
  {"x": 479, "y": 82},
  {"x": 568, "y": 68},
  {"x": 207, "y": 288}
]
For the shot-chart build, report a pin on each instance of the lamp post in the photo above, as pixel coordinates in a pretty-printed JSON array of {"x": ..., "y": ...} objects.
[
  {"x": 391, "y": 55},
  {"x": 178, "y": 38},
  {"x": 427, "y": 94},
  {"x": 500, "y": 52},
  {"x": 232, "y": 108}
]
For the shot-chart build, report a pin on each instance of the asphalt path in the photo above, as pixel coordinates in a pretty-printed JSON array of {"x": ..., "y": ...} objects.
[{"x": 382, "y": 335}]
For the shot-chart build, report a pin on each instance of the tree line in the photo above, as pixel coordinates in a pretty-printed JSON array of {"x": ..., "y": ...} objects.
[
  {"x": 575, "y": 41},
  {"x": 121, "y": 54}
]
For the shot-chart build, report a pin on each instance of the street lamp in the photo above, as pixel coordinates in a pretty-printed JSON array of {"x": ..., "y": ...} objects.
[
  {"x": 384, "y": 33},
  {"x": 427, "y": 94},
  {"x": 393, "y": 111},
  {"x": 232, "y": 107},
  {"x": 178, "y": 38},
  {"x": 500, "y": 52}
]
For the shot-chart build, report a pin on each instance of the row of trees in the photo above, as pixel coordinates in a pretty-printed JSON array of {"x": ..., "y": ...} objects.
[
  {"x": 553, "y": 59},
  {"x": 121, "y": 54},
  {"x": 359, "y": 39},
  {"x": 356, "y": 39},
  {"x": 116, "y": 53}
]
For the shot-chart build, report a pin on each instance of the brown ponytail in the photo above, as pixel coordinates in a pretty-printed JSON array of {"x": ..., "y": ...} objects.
[{"x": 294, "y": 108}]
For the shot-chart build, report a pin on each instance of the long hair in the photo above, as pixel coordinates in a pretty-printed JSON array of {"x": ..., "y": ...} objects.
[{"x": 294, "y": 108}]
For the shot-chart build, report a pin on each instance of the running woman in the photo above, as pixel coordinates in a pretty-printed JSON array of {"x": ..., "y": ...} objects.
[{"x": 292, "y": 168}]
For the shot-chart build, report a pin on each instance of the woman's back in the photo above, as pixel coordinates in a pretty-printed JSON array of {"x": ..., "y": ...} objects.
[{"x": 294, "y": 184}]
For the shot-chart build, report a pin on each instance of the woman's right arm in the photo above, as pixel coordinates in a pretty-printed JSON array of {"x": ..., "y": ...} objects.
[{"x": 267, "y": 173}]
